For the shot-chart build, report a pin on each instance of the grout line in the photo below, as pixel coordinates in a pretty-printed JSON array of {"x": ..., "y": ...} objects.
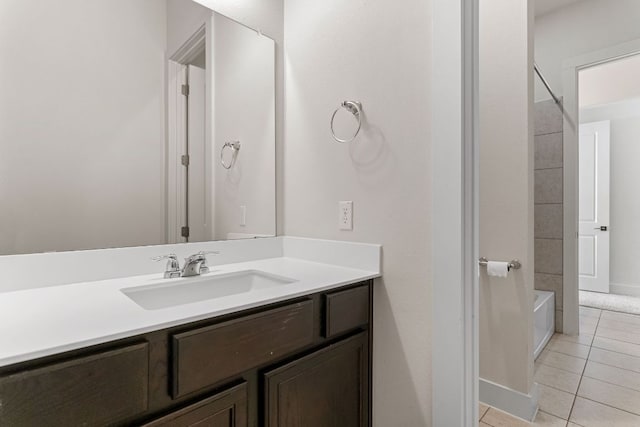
[
  {"x": 608, "y": 382},
  {"x": 573, "y": 404},
  {"x": 606, "y": 404},
  {"x": 549, "y": 168}
]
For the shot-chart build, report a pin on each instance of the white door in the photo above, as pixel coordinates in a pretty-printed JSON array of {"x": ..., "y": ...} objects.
[
  {"x": 197, "y": 154},
  {"x": 593, "y": 235}
]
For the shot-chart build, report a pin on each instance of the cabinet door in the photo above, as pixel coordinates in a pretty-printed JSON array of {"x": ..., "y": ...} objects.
[
  {"x": 225, "y": 409},
  {"x": 329, "y": 388}
]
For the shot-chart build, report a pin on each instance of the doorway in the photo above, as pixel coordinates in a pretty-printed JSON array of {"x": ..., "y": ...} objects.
[
  {"x": 187, "y": 159},
  {"x": 608, "y": 153}
]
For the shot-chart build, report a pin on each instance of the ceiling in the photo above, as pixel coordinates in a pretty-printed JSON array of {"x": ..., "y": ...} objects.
[{"x": 546, "y": 6}]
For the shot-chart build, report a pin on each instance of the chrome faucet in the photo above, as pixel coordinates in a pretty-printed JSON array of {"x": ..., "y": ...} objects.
[{"x": 194, "y": 265}]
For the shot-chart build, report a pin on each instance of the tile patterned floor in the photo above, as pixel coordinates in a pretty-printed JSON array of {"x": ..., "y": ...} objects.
[{"x": 592, "y": 380}]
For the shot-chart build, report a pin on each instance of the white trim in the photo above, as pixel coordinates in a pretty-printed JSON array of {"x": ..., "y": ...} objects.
[
  {"x": 624, "y": 289},
  {"x": 513, "y": 402},
  {"x": 571, "y": 68},
  {"x": 454, "y": 167}
]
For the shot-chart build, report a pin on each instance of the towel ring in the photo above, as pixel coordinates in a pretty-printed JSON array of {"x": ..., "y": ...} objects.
[
  {"x": 235, "y": 146},
  {"x": 355, "y": 108}
]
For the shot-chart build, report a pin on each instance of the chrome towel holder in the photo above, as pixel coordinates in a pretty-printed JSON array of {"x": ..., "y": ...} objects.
[
  {"x": 513, "y": 265},
  {"x": 355, "y": 108},
  {"x": 235, "y": 147}
]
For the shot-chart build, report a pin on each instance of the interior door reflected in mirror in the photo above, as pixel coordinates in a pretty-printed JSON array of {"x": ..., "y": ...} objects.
[{"x": 113, "y": 119}]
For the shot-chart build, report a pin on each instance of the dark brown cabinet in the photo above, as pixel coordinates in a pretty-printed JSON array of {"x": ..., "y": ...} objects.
[
  {"x": 225, "y": 409},
  {"x": 304, "y": 362},
  {"x": 328, "y": 388}
]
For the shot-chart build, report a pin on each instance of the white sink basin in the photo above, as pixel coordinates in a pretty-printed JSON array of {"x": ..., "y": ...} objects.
[{"x": 194, "y": 289}]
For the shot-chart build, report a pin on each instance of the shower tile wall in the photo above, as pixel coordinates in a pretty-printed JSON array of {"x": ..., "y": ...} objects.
[{"x": 548, "y": 201}]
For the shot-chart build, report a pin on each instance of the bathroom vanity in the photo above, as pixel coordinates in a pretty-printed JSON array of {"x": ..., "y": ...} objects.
[{"x": 297, "y": 353}]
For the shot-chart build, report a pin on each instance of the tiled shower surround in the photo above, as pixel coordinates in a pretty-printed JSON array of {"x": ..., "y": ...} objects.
[{"x": 548, "y": 201}]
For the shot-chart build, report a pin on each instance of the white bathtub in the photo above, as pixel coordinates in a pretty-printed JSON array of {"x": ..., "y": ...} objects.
[{"x": 543, "y": 320}]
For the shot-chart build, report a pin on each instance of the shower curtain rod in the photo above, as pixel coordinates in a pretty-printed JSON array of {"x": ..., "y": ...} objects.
[{"x": 545, "y": 83}]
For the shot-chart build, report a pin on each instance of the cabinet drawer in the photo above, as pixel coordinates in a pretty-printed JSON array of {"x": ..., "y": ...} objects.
[
  {"x": 206, "y": 356},
  {"x": 99, "y": 389},
  {"x": 346, "y": 310},
  {"x": 225, "y": 409}
]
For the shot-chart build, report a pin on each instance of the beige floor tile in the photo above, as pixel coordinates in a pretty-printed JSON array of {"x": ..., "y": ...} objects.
[
  {"x": 613, "y": 375},
  {"x": 610, "y": 394},
  {"x": 583, "y": 339},
  {"x": 482, "y": 410},
  {"x": 592, "y": 414},
  {"x": 481, "y": 424},
  {"x": 562, "y": 361},
  {"x": 588, "y": 320},
  {"x": 614, "y": 334},
  {"x": 573, "y": 425},
  {"x": 621, "y": 317},
  {"x": 590, "y": 312},
  {"x": 555, "y": 402},
  {"x": 547, "y": 420},
  {"x": 619, "y": 326},
  {"x": 556, "y": 378},
  {"x": 570, "y": 348},
  {"x": 497, "y": 418},
  {"x": 587, "y": 328},
  {"x": 618, "y": 360},
  {"x": 617, "y": 346}
]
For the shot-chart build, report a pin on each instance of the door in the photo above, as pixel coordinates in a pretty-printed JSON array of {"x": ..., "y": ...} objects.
[
  {"x": 328, "y": 388},
  {"x": 196, "y": 123},
  {"x": 593, "y": 212}
]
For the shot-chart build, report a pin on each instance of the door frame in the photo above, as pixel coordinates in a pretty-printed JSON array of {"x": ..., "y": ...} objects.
[
  {"x": 570, "y": 70},
  {"x": 455, "y": 219},
  {"x": 201, "y": 39}
]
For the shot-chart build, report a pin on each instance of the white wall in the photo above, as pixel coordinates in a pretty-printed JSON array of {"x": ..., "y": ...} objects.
[
  {"x": 610, "y": 82},
  {"x": 244, "y": 110},
  {"x": 584, "y": 27},
  {"x": 625, "y": 176},
  {"x": 378, "y": 53},
  {"x": 506, "y": 191},
  {"x": 82, "y": 124}
]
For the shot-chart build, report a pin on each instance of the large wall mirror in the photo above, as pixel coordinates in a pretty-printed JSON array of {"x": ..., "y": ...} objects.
[{"x": 132, "y": 122}]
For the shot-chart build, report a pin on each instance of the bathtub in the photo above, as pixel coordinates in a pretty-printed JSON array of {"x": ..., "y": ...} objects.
[{"x": 544, "y": 322}]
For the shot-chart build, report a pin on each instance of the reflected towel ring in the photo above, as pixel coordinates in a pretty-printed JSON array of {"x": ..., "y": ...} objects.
[
  {"x": 355, "y": 108},
  {"x": 235, "y": 146}
]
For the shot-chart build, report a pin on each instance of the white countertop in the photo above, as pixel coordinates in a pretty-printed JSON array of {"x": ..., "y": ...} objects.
[{"x": 43, "y": 321}]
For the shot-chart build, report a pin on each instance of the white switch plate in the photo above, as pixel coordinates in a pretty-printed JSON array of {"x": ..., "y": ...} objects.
[
  {"x": 243, "y": 216},
  {"x": 345, "y": 219}
]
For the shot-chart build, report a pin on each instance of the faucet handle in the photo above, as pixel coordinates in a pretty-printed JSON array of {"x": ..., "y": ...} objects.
[
  {"x": 204, "y": 268},
  {"x": 173, "y": 265}
]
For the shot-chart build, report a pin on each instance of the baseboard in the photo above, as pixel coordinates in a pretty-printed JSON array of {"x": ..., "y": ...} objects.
[
  {"x": 510, "y": 401},
  {"x": 624, "y": 289}
]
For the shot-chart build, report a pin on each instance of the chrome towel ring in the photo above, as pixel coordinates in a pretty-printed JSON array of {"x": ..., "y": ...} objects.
[
  {"x": 355, "y": 108},
  {"x": 235, "y": 147}
]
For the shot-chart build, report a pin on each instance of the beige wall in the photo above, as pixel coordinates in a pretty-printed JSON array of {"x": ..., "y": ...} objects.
[
  {"x": 268, "y": 17},
  {"x": 506, "y": 191},
  {"x": 81, "y": 124},
  {"x": 583, "y": 27},
  {"x": 377, "y": 52},
  {"x": 244, "y": 110}
]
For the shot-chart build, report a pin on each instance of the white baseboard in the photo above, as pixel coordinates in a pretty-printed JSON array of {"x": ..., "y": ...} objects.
[
  {"x": 624, "y": 289},
  {"x": 510, "y": 401}
]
